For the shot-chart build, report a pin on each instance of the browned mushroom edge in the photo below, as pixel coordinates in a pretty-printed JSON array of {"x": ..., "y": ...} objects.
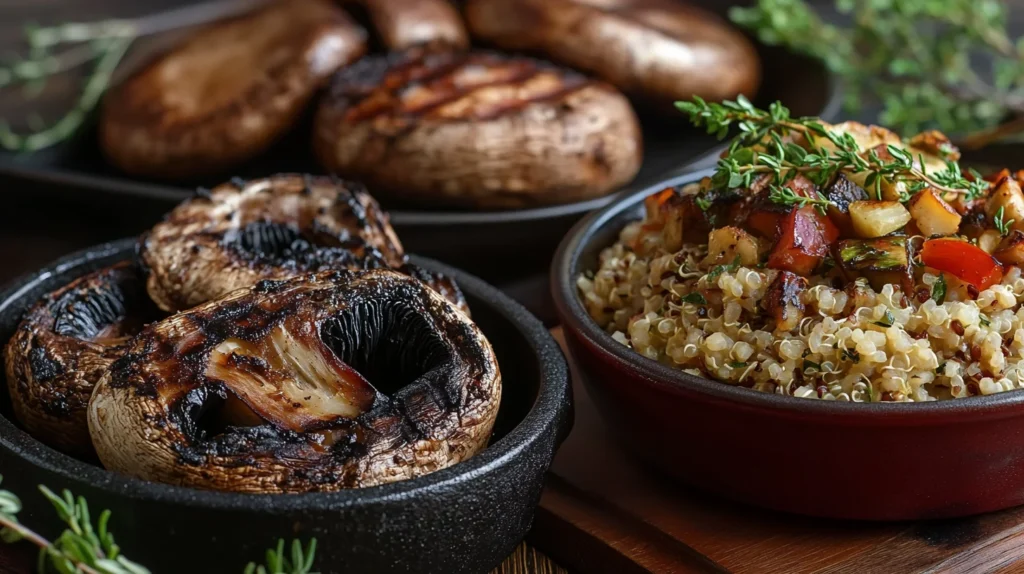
[
  {"x": 271, "y": 228},
  {"x": 321, "y": 382},
  {"x": 476, "y": 129},
  {"x": 659, "y": 51},
  {"x": 63, "y": 346},
  {"x": 227, "y": 92}
]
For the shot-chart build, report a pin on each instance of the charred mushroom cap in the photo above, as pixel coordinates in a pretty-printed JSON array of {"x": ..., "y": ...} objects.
[
  {"x": 404, "y": 24},
  {"x": 273, "y": 228},
  {"x": 661, "y": 50},
  {"x": 64, "y": 345},
  {"x": 228, "y": 92},
  {"x": 317, "y": 383},
  {"x": 476, "y": 128}
]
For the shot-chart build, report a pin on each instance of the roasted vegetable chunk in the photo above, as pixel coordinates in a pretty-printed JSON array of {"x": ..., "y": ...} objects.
[
  {"x": 804, "y": 239},
  {"x": 877, "y": 218},
  {"x": 880, "y": 261},
  {"x": 932, "y": 214},
  {"x": 1011, "y": 250},
  {"x": 727, "y": 244},
  {"x": 842, "y": 193},
  {"x": 782, "y": 300},
  {"x": 965, "y": 261}
]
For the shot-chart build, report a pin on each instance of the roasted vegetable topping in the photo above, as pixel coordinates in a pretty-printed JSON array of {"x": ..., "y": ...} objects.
[{"x": 966, "y": 262}]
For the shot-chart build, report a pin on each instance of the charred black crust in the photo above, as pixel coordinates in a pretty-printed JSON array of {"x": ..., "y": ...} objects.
[
  {"x": 64, "y": 345},
  {"x": 396, "y": 321}
]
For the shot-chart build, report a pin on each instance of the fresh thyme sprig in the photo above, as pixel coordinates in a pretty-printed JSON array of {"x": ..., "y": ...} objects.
[
  {"x": 767, "y": 144},
  {"x": 1002, "y": 226},
  {"x": 301, "y": 561},
  {"x": 920, "y": 59},
  {"x": 85, "y": 548},
  {"x": 103, "y": 43}
]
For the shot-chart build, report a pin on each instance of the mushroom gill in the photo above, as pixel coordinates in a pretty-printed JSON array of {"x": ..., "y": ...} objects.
[
  {"x": 64, "y": 345},
  {"x": 271, "y": 228},
  {"x": 320, "y": 382}
]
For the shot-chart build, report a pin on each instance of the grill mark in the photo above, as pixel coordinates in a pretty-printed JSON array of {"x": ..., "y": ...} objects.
[
  {"x": 384, "y": 100},
  {"x": 457, "y": 94}
]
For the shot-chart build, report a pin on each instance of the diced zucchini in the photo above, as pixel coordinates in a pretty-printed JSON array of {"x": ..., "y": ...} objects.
[
  {"x": 728, "y": 243},
  {"x": 932, "y": 214},
  {"x": 877, "y": 218},
  {"x": 881, "y": 261}
]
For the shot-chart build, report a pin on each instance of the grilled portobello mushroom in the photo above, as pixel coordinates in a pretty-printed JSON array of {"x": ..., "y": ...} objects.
[
  {"x": 476, "y": 129},
  {"x": 228, "y": 92},
  {"x": 658, "y": 50},
  {"x": 321, "y": 382},
  {"x": 64, "y": 345},
  {"x": 403, "y": 24}
]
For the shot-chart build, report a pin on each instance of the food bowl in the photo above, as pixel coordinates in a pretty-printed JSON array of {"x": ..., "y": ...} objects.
[
  {"x": 465, "y": 518},
  {"x": 873, "y": 461}
]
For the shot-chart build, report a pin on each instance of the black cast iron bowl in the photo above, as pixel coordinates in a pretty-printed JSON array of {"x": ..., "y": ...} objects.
[
  {"x": 822, "y": 458},
  {"x": 466, "y": 518}
]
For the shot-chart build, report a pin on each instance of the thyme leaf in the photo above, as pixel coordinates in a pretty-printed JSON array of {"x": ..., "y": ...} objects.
[
  {"x": 939, "y": 289},
  {"x": 695, "y": 298}
]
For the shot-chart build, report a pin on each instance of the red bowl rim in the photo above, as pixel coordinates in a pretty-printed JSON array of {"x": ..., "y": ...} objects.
[{"x": 579, "y": 325}]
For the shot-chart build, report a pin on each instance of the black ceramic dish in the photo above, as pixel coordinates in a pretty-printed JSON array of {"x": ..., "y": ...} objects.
[
  {"x": 466, "y": 518},
  {"x": 496, "y": 245}
]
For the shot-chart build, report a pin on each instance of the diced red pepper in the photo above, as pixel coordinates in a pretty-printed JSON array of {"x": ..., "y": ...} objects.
[
  {"x": 965, "y": 261},
  {"x": 804, "y": 239}
]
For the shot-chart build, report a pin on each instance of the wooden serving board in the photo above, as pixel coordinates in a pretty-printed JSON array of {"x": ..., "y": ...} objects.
[{"x": 605, "y": 512}]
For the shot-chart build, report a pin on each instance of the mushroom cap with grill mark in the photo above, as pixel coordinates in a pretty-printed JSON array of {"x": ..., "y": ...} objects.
[
  {"x": 317, "y": 383},
  {"x": 228, "y": 92},
  {"x": 273, "y": 228},
  {"x": 64, "y": 345},
  {"x": 478, "y": 128},
  {"x": 657, "y": 50}
]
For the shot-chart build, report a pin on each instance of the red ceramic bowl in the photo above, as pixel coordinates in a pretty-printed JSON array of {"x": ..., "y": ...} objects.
[{"x": 832, "y": 459}]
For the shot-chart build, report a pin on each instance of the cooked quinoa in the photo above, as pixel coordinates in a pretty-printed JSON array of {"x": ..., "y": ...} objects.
[{"x": 851, "y": 343}]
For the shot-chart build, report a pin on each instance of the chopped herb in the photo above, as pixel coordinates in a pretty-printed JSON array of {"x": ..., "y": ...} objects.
[
  {"x": 1003, "y": 227},
  {"x": 850, "y": 355},
  {"x": 889, "y": 320},
  {"x": 811, "y": 365},
  {"x": 737, "y": 364},
  {"x": 703, "y": 202},
  {"x": 984, "y": 320},
  {"x": 719, "y": 269},
  {"x": 939, "y": 289},
  {"x": 695, "y": 298},
  {"x": 870, "y": 392},
  {"x": 941, "y": 369}
]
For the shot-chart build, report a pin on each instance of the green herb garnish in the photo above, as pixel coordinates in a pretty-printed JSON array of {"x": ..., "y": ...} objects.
[
  {"x": 889, "y": 320},
  {"x": 811, "y": 365},
  {"x": 737, "y": 364},
  {"x": 984, "y": 320},
  {"x": 89, "y": 548},
  {"x": 939, "y": 289},
  {"x": 785, "y": 160},
  {"x": 949, "y": 64},
  {"x": 695, "y": 298},
  {"x": 997, "y": 220},
  {"x": 719, "y": 269}
]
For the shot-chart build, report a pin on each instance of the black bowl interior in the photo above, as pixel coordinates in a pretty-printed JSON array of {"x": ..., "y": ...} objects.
[{"x": 465, "y": 518}]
